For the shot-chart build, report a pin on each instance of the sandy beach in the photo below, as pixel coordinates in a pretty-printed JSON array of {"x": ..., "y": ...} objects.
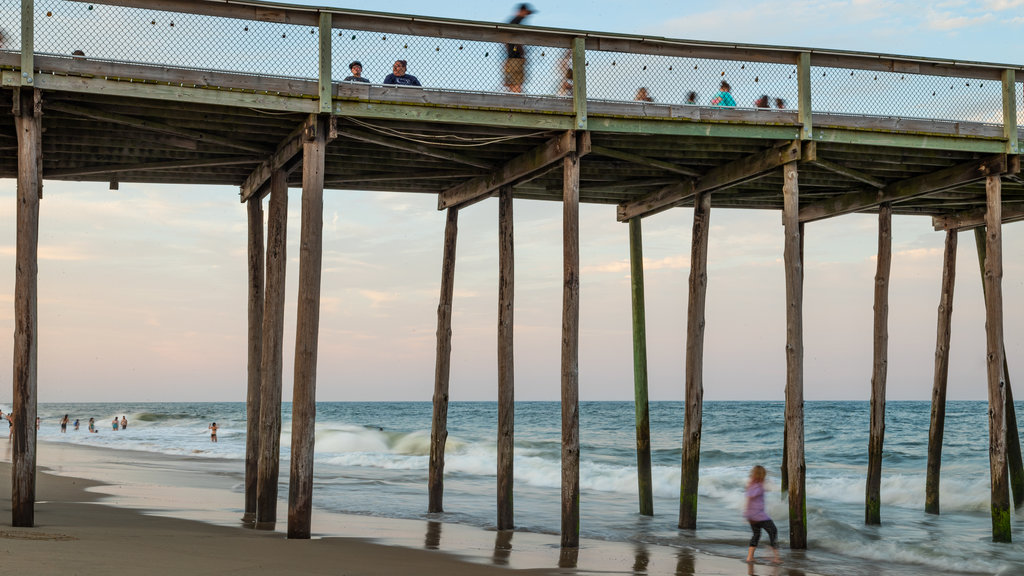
[{"x": 100, "y": 511}]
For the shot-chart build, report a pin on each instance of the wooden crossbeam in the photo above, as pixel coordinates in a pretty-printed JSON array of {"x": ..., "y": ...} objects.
[
  {"x": 810, "y": 156},
  {"x": 413, "y": 147},
  {"x": 286, "y": 151},
  {"x": 516, "y": 169},
  {"x": 145, "y": 166},
  {"x": 971, "y": 219},
  {"x": 923, "y": 185},
  {"x": 643, "y": 160},
  {"x": 717, "y": 179},
  {"x": 149, "y": 125},
  {"x": 383, "y": 177}
]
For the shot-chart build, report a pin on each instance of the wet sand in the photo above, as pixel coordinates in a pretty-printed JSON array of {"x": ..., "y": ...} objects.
[{"x": 104, "y": 510}]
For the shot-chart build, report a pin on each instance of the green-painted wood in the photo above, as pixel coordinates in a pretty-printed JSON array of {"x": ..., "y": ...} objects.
[
  {"x": 497, "y": 118},
  {"x": 1010, "y": 111},
  {"x": 643, "y": 422},
  {"x": 325, "y": 83},
  {"x": 686, "y": 127},
  {"x": 922, "y": 141},
  {"x": 27, "y": 76},
  {"x": 579, "y": 82},
  {"x": 803, "y": 79}
]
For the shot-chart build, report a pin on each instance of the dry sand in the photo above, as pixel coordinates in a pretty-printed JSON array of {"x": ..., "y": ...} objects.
[{"x": 149, "y": 514}]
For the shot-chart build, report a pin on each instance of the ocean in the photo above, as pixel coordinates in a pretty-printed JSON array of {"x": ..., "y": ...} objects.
[{"x": 372, "y": 459}]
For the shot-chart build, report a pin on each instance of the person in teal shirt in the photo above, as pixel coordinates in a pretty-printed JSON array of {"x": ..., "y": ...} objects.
[{"x": 724, "y": 97}]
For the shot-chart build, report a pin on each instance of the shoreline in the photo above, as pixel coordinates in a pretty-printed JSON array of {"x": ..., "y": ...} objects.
[{"x": 100, "y": 508}]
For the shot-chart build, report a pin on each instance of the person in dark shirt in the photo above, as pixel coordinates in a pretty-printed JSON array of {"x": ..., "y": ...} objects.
[
  {"x": 356, "y": 68},
  {"x": 515, "y": 57},
  {"x": 399, "y": 77}
]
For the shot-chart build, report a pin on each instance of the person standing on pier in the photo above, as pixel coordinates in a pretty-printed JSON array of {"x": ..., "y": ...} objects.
[
  {"x": 757, "y": 516},
  {"x": 515, "y": 58},
  {"x": 724, "y": 96},
  {"x": 356, "y": 68}
]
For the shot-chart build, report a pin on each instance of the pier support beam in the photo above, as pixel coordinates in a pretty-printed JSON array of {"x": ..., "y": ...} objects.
[
  {"x": 271, "y": 363},
  {"x": 645, "y": 487},
  {"x": 254, "y": 207},
  {"x": 570, "y": 351},
  {"x": 873, "y": 500},
  {"x": 942, "y": 337},
  {"x": 784, "y": 474},
  {"x": 1000, "y": 502},
  {"x": 695, "y": 361},
  {"x": 1013, "y": 454},
  {"x": 794, "y": 359},
  {"x": 506, "y": 366},
  {"x": 442, "y": 365},
  {"x": 307, "y": 330},
  {"x": 28, "y": 124}
]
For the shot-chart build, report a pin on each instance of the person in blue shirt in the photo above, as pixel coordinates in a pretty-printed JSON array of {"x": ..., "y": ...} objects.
[
  {"x": 724, "y": 97},
  {"x": 399, "y": 77}
]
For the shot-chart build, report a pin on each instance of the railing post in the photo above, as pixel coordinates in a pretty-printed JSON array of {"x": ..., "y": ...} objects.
[
  {"x": 579, "y": 81},
  {"x": 27, "y": 42},
  {"x": 325, "y": 63},
  {"x": 1010, "y": 111},
  {"x": 803, "y": 78}
]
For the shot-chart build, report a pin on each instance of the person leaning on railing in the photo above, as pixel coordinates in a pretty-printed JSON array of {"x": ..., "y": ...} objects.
[
  {"x": 356, "y": 68},
  {"x": 724, "y": 96},
  {"x": 399, "y": 77}
]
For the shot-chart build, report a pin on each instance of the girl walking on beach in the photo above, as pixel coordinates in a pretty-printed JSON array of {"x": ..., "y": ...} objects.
[{"x": 757, "y": 516}]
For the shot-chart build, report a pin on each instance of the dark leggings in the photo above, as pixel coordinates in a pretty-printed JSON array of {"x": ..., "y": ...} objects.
[{"x": 769, "y": 527}]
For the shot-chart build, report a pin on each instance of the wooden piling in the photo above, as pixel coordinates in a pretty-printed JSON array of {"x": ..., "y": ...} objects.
[
  {"x": 1000, "y": 502},
  {"x": 794, "y": 359},
  {"x": 1013, "y": 453},
  {"x": 873, "y": 500},
  {"x": 570, "y": 351},
  {"x": 784, "y": 474},
  {"x": 254, "y": 207},
  {"x": 690, "y": 476},
  {"x": 506, "y": 367},
  {"x": 645, "y": 487},
  {"x": 307, "y": 330},
  {"x": 271, "y": 364},
  {"x": 442, "y": 365},
  {"x": 941, "y": 377},
  {"x": 28, "y": 123}
]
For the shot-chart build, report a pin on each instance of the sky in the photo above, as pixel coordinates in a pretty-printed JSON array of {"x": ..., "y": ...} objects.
[{"x": 143, "y": 290}]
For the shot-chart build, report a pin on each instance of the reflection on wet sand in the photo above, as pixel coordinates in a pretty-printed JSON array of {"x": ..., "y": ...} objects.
[
  {"x": 502, "y": 547},
  {"x": 433, "y": 539},
  {"x": 685, "y": 563},
  {"x": 643, "y": 558},
  {"x": 568, "y": 557}
]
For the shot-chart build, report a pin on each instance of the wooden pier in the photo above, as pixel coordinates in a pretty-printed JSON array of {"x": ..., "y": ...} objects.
[{"x": 249, "y": 95}]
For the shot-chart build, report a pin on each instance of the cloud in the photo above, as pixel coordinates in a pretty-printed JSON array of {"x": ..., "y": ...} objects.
[
  {"x": 379, "y": 299},
  {"x": 51, "y": 253},
  {"x": 619, "y": 266},
  {"x": 954, "y": 21},
  {"x": 1003, "y": 4}
]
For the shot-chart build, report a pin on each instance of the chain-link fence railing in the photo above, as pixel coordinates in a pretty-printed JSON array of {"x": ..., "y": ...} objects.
[
  {"x": 442, "y": 61},
  {"x": 905, "y": 95}
]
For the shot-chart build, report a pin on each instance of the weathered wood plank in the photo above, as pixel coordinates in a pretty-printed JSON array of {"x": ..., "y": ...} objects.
[
  {"x": 645, "y": 486},
  {"x": 973, "y": 219},
  {"x": 942, "y": 180},
  {"x": 694, "y": 394},
  {"x": 283, "y": 155},
  {"x": 810, "y": 156},
  {"x": 915, "y": 141},
  {"x": 519, "y": 167},
  {"x": 795, "y": 464},
  {"x": 114, "y": 169},
  {"x": 28, "y": 123},
  {"x": 879, "y": 372},
  {"x": 999, "y": 484},
  {"x": 254, "y": 210},
  {"x": 271, "y": 364},
  {"x": 570, "y": 352},
  {"x": 643, "y": 160},
  {"x": 506, "y": 365},
  {"x": 307, "y": 330},
  {"x": 414, "y": 147},
  {"x": 442, "y": 365},
  {"x": 914, "y": 126},
  {"x": 717, "y": 179},
  {"x": 937, "y": 427}
]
